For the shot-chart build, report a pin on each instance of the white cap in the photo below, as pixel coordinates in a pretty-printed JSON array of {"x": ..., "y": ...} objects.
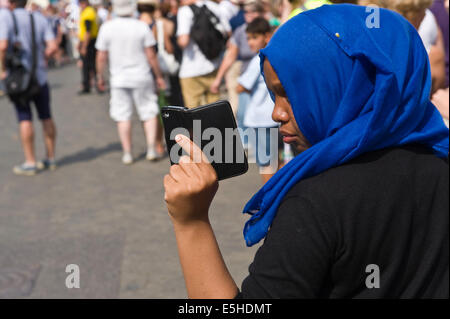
[
  {"x": 154, "y": 2},
  {"x": 96, "y": 2},
  {"x": 124, "y": 7}
]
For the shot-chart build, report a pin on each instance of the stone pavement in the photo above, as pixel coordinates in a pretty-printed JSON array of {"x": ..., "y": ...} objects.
[{"x": 93, "y": 211}]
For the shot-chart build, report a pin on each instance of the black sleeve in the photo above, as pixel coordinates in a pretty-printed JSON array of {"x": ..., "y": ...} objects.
[
  {"x": 295, "y": 259},
  {"x": 88, "y": 25}
]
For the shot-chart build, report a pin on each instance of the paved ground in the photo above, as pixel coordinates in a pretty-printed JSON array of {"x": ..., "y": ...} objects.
[{"x": 94, "y": 212}]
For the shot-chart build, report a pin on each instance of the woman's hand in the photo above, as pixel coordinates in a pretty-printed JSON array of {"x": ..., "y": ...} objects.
[
  {"x": 190, "y": 189},
  {"x": 190, "y": 186}
]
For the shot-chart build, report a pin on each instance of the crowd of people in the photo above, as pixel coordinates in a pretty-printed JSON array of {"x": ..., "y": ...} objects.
[
  {"x": 363, "y": 161},
  {"x": 172, "y": 61}
]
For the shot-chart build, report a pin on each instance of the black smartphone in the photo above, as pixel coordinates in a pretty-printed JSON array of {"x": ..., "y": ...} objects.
[{"x": 213, "y": 128}]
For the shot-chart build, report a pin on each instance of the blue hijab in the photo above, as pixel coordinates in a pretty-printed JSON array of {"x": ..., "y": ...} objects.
[{"x": 352, "y": 89}]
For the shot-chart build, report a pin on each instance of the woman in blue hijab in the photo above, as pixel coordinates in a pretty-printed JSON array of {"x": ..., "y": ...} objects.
[{"x": 362, "y": 211}]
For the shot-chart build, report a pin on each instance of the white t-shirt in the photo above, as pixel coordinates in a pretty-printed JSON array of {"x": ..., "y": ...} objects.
[
  {"x": 260, "y": 107},
  {"x": 125, "y": 39},
  {"x": 194, "y": 63},
  {"x": 228, "y": 9},
  {"x": 428, "y": 30},
  {"x": 102, "y": 14}
]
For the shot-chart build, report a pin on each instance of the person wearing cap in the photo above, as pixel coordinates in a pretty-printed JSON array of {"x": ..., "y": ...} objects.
[
  {"x": 87, "y": 35},
  {"x": 128, "y": 45}
]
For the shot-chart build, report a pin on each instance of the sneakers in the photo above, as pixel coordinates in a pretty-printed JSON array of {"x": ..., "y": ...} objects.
[
  {"x": 84, "y": 92},
  {"x": 127, "y": 159},
  {"x": 46, "y": 164},
  {"x": 153, "y": 155},
  {"x": 25, "y": 170}
]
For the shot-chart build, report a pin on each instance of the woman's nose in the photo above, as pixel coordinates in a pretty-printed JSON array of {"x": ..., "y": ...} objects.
[{"x": 279, "y": 115}]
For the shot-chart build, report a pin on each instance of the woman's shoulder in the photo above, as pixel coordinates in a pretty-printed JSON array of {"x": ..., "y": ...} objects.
[{"x": 371, "y": 173}]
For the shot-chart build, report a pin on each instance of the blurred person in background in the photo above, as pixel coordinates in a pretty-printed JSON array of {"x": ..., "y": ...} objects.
[
  {"x": 273, "y": 10},
  {"x": 239, "y": 18},
  {"x": 163, "y": 30},
  {"x": 65, "y": 47},
  {"x": 4, "y": 4},
  {"x": 128, "y": 44},
  {"x": 197, "y": 72},
  {"x": 441, "y": 100},
  {"x": 102, "y": 12},
  {"x": 147, "y": 13},
  {"x": 294, "y": 7},
  {"x": 441, "y": 14},
  {"x": 238, "y": 48},
  {"x": 87, "y": 34},
  {"x": 36, "y": 6},
  {"x": 45, "y": 47},
  {"x": 258, "y": 116},
  {"x": 441, "y": 97},
  {"x": 229, "y": 8},
  {"x": 168, "y": 11},
  {"x": 52, "y": 14}
]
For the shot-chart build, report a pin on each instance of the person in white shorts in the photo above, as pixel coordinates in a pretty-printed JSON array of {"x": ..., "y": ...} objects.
[{"x": 128, "y": 43}]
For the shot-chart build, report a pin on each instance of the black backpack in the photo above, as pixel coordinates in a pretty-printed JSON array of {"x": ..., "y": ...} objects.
[
  {"x": 21, "y": 84},
  {"x": 207, "y": 32}
]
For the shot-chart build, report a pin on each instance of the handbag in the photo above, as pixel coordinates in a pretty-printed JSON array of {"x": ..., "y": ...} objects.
[
  {"x": 21, "y": 84},
  {"x": 167, "y": 62}
]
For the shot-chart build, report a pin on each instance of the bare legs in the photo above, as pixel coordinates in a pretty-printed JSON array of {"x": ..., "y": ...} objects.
[
  {"x": 27, "y": 138},
  {"x": 125, "y": 135},
  {"x": 150, "y": 129},
  {"x": 49, "y": 137},
  {"x": 159, "y": 139}
]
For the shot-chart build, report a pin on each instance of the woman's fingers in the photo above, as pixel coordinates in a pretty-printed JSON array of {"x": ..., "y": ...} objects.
[
  {"x": 195, "y": 152},
  {"x": 177, "y": 173}
]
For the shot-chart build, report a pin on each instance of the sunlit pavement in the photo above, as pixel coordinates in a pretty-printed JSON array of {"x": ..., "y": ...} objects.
[{"x": 94, "y": 212}]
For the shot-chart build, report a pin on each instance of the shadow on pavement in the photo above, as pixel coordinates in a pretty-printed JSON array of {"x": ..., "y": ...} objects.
[{"x": 89, "y": 154}]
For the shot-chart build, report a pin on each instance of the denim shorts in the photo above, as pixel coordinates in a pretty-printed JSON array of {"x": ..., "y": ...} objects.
[{"x": 42, "y": 104}]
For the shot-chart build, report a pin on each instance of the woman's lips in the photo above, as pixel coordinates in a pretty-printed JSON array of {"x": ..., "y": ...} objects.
[{"x": 288, "y": 138}]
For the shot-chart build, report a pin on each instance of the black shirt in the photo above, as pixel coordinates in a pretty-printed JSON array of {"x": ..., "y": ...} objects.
[{"x": 387, "y": 209}]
